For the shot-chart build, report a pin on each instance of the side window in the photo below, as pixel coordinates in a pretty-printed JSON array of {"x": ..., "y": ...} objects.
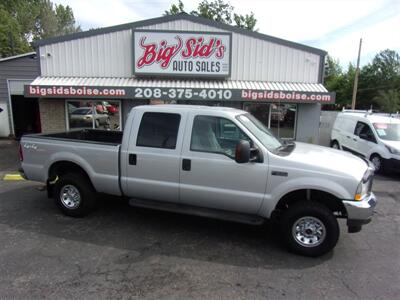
[
  {"x": 216, "y": 135},
  {"x": 364, "y": 131},
  {"x": 359, "y": 127},
  {"x": 158, "y": 130}
]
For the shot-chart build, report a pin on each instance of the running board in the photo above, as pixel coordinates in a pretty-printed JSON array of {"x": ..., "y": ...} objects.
[{"x": 198, "y": 211}]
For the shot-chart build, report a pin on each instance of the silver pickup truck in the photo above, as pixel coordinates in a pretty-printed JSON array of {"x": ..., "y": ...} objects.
[{"x": 214, "y": 162}]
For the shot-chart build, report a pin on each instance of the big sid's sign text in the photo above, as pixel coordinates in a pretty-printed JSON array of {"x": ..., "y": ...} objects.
[{"x": 182, "y": 53}]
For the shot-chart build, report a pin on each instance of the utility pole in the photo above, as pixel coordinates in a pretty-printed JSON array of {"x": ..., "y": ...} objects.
[{"x": 353, "y": 100}]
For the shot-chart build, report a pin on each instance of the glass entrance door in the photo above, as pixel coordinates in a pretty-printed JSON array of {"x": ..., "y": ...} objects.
[{"x": 280, "y": 118}]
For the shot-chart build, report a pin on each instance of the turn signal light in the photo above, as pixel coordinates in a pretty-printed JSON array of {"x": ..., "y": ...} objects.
[{"x": 357, "y": 197}]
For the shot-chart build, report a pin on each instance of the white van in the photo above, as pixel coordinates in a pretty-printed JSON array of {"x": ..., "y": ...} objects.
[{"x": 373, "y": 136}]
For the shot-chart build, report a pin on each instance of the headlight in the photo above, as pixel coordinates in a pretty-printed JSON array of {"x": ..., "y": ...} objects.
[
  {"x": 362, "y": 191},
  {"x": 392, "y": 150},
  {"x": 365, "y": 185}
]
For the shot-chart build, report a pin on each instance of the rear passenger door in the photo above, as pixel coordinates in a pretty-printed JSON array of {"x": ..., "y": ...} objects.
[{"x": 154, "y": 156}]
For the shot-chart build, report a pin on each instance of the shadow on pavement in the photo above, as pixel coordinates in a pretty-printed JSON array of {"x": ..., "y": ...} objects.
[
  {"x": 9, "y": 160},
  {"x": 147, "y": 232}
]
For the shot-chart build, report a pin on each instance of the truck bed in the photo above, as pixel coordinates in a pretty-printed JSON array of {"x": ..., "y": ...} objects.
[{"x": 87, "y": 135}]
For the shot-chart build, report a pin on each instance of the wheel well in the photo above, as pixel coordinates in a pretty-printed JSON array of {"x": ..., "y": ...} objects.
[
  {"x": 374, "y": 154},
  {"x": 60, "y": 168},
  {"x": 334, "y": 141},
  {"x": 330, "y": 201}
]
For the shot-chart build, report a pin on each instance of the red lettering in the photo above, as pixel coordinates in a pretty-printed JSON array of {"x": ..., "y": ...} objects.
[
  {"x": 162, "y": 55},
  {"x": 187, "y": 52}
]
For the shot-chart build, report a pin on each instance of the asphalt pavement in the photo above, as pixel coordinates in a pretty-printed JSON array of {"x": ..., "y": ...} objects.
[{"x": 130, "y": 253}]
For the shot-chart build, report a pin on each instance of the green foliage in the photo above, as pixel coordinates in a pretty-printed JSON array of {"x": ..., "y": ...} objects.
[
  {"x": 24, "y": 21},
  {"x": 175, "y": 9},
  {"x": 246, "y": 22},
  {"x": 217, "y": 10},
  {"x": 378, "y": 84},
  {"x": 12, "y": 41},
  {"x": 388, "y": 101}
]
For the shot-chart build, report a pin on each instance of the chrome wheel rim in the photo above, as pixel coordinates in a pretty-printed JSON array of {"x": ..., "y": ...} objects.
[
  {"x": 335, "y": 146},
  {"x": 309, "y": 231},
  {"x": 70, "y": 196},
  {"x": 377, "y": 162}
]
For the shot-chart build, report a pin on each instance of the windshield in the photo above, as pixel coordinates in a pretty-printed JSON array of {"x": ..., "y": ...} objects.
[
  {"x": 261, "y": 132},
  {"x": 82, "y": 111},
  {"x": 388, "y": 131}
]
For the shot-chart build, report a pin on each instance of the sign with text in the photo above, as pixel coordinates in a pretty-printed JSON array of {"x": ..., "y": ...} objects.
[
  {"x": 173, "y": 53},
  {"x": 172, "y": 93}
]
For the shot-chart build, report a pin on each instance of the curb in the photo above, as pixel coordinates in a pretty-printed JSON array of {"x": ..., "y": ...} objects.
[{"x": 12, "y": 177}]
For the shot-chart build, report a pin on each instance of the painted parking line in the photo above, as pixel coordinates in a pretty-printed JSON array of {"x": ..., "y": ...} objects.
[{"x": 13, "y": 177}]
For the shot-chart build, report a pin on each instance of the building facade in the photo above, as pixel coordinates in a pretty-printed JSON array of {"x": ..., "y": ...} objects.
[
  {"x": 92, "y": 79},
  {"x": 18, "y": 115}
]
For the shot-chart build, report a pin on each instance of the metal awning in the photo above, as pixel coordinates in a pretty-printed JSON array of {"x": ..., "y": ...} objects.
[
  {"x": 175, "y": 89},
  {"x": 169, "y": 83}
]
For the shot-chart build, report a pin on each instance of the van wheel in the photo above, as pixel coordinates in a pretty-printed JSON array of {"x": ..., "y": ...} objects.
[
  {"x": 309, "y": 229},
  {"x": 377, "y": 162},
  {"x": 74, "y": 195},
  {"x": 335, "y": 145}
]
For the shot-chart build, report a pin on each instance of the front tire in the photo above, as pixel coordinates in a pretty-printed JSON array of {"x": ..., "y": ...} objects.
[
  {"x": 377, "y": 162},
  {"x": 309, "y": 229},
  {"x": 74, "y": 195}
]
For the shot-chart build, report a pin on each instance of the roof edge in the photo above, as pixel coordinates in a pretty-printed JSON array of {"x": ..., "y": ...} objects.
[
  {"x": 180, "y": 16},
  {"x": 17, "y": 56}
]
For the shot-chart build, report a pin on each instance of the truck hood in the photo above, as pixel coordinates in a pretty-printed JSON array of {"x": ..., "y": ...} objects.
[
  {"x": 393, "y": 144},
  {"x": 326, "y": 160}
]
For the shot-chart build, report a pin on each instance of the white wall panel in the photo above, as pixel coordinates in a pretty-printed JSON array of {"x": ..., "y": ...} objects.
[{"x": 110, "y": 55}]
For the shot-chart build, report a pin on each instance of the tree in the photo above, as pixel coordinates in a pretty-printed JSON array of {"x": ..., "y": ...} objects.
[
  {"x": 388, "y": 101},
  {"x": 383, "y": 73},
  {"x": 218, "y": 11},
  {"x": 379, "y": 80},
  {"x": 12, "y": 41},
  {"x": 23, "y": 21},
  {"x": 246, "y": 22},
  {"x": 175, "y": 9}
]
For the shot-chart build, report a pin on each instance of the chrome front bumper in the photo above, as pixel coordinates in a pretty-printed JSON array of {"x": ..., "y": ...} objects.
[{"x": 359, "y": 212}]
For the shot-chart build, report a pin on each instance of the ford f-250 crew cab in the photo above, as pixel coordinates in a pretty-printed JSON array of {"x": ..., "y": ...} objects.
[{"x": 215, "y": 162}]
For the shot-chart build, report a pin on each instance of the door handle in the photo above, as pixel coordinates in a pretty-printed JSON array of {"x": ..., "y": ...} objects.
[
  {"x": 348, "y": 137},
  {"x": 354, "y": 139},
  {"x": 186, "y": 164},
  {"x": 132, "y": 159}
]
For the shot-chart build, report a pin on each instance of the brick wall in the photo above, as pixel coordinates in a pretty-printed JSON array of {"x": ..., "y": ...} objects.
[{"x": 52, "y": 115}]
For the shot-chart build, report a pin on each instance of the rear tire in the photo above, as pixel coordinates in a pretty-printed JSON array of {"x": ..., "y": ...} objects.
[
  {"x": 74, "y": 195},
  {"x": 335, "y": 145},
  {"x": 309, "y": 229}
]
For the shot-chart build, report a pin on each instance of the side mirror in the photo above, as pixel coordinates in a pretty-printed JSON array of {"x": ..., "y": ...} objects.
[{"x": 242, "y": 153}]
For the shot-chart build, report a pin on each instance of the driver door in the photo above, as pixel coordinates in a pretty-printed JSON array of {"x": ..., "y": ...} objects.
[
  {"x": 209, "y": 175},
  {"x": 364, "y": 139}
]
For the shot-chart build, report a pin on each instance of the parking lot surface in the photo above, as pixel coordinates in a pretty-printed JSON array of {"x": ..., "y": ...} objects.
[{"x": 124, "y": 252}]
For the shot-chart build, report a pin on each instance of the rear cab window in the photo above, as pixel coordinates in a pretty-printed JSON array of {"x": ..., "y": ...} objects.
[{"x": 158, "y": 130}]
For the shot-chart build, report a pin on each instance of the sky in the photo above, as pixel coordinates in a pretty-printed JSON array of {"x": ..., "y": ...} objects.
[{"x": 335, "y": 26}]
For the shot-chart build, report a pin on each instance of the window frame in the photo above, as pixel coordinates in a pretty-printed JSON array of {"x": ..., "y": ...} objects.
[
  {"x": 370, "y": 129},
  {"x": 157, "y": 147},
  {"x": 67, "y": 125},
  {"x": 215, "y": 152}
]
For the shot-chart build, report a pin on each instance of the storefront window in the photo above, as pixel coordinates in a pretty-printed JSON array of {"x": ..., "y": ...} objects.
[
  {"x": 280, "y": 118},
  {"x": 99, "y": 114}
]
